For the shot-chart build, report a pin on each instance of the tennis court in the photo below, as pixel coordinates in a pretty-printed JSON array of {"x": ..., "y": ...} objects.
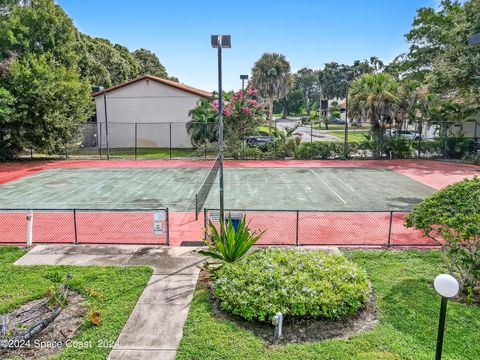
[
  {"x": 346, "y": 203},
  {"x": 323, "y": 188}
]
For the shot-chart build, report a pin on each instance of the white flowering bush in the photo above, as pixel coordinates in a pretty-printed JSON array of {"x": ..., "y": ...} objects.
[{"x": 294, "y": 282}]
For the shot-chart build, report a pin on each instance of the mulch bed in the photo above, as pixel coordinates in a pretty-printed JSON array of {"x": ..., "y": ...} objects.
[{"x": 300, "y": 329}]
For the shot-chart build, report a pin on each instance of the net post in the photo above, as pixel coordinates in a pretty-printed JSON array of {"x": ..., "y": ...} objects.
[
  {"x": 297, "y": 230},
  {"x": 75, "y": 225},
  {"x": 167, "y": 225},
  {"x": 390, "y": 229}
]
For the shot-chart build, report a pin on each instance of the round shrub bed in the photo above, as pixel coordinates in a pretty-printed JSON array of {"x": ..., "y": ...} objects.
[{"x": 294, "y": 282}]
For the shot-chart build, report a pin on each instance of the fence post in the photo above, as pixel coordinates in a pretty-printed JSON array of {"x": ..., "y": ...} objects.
[
  {"x": 30, "y": 228},
  {"x": 136, "y": 141},
  {"x": 390, "y": 229},
  {"x": 167, "y": 218},
  {"x": 100, "y": 142},
  {"x": 170, "y": 139},
  {"x": 205, "y": 222},
  {"x": 296, "y": 230},
  {"x": 205, "y": 133},
  {"x": 196, "y": 206},
  {"x": 311, "y": 137},
  {"x": 75, "y": 225}
]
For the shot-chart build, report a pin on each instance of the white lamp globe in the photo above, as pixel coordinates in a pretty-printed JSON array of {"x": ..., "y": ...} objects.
[{"x": 446, "y": 285}]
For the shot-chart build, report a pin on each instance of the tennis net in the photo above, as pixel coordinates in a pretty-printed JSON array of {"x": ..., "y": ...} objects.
[{"x": 204, "y": 190}]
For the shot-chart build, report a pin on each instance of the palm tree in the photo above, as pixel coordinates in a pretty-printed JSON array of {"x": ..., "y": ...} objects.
[
  {"x": 203, "y": 127},
  {"x": 271, "y": 77},
  {"x": 374, "y": 97}
]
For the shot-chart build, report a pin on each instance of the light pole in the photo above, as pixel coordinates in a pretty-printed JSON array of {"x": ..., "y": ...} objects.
[
  {"x": 219, "y": 42},
  {"x": 243, "y": 78},
  {"x": 447, "y": 287}
]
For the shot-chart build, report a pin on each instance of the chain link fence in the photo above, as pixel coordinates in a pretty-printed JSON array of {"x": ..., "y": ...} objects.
[
  {"x": 310, "y": 140},
  {"x": 84, "y": 226},
  {"x": 325, "y": 228}
]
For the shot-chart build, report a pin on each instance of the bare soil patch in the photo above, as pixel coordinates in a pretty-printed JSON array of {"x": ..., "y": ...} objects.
[{"x": 54, "y": 338}]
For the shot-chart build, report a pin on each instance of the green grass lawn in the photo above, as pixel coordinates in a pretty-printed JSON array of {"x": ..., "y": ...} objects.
[
  {"x": 120, "y": 288},
  {"x": 144, "y": 153},
  {"x": 408, "y": 307},
  {"x": 357, "y": 136}
]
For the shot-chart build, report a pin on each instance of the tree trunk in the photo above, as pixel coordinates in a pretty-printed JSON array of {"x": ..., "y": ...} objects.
[{"x": 270, "y": 114}]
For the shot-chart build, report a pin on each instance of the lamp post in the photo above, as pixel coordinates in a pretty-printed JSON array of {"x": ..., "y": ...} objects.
[
  {"x": 219, "y": 42},
  {"x": 243, "y": 78},
  {"x": 447, "y": 287}
]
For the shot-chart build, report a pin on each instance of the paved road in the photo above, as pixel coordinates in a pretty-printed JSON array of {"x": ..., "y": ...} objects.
[{"x": 306, "y": 133}]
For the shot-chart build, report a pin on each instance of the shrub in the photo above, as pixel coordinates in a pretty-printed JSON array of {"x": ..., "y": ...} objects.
[
  {"x": 398, "y": 147},
  {"x": 294, "y": 282},
  {"x": 452, "y": 217},
  {"x": 229, "y": 244},
  {"x": 321, "y": 150}
]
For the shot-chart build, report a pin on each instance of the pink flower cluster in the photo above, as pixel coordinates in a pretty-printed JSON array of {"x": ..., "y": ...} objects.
[{"x": 247, "y": 111}]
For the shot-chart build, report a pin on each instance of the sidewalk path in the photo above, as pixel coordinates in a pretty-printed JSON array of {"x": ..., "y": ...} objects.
[{"x": 155, "y": 326}]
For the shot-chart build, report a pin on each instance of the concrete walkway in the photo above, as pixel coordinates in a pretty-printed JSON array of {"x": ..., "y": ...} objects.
[{"x": 155, "y": 326}]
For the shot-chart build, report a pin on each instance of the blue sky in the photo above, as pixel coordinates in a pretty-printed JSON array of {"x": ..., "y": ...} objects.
[{"x": 309, "y": 33}]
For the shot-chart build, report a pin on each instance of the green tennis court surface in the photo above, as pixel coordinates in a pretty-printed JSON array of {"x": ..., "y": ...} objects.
[{"x": 245, "y": 188}]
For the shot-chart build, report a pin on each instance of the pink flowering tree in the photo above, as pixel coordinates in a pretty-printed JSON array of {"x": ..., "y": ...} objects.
[{"x": 242, "y": 114}]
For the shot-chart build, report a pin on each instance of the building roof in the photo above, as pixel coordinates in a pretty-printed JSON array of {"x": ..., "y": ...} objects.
[{"x": 160, "y": 80}]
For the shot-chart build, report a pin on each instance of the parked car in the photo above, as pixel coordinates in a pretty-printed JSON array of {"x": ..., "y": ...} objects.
[
  {"x": 258, "y": 140},
  {"x": 407, "y": 134},
  {"x": 336, "y": 121}
]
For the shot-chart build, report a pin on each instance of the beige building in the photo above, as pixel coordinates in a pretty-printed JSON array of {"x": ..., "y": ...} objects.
[{"x": 157, "y": 106}]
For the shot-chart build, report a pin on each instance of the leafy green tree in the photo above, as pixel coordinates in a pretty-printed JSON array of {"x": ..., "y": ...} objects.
[
  {"x": 8, "y": 138},
  {"x": 271, "y": 76},
  {"x": 451, "y": 217},
  {"x": 51, "y": 101},
  {"x": 105, "y": 64},
  {"x": 307, "y": 82},
  {"x": 374, "y": 97},
  {"x": 149, "y": 63},
  {"x": 203, "y": 126},
  {"x": 291, "y": 103},
  {"x": 431, "y": 33},
  {"x": 38, "y": 27},
  {"x": 334, "y": 110}
]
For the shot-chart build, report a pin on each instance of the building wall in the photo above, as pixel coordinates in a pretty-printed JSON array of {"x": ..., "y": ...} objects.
[{"x": 153, "y": 106}]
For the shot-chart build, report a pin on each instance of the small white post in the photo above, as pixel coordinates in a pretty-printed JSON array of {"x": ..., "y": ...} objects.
[{"x": 30, "y": 228}]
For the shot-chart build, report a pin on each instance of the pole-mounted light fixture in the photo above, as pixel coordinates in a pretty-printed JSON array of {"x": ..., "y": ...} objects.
[
  {"x": 219, "y": 42},
  {"x": 447, "y": 287},
  {"x": 243, "y": 78}
]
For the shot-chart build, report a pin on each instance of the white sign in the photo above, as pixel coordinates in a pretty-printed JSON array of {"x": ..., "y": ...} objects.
[
  {"x": 214, "y": 215},
  {"x": 158, "y": 215},
  {"x": 157, "y": 228}
]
